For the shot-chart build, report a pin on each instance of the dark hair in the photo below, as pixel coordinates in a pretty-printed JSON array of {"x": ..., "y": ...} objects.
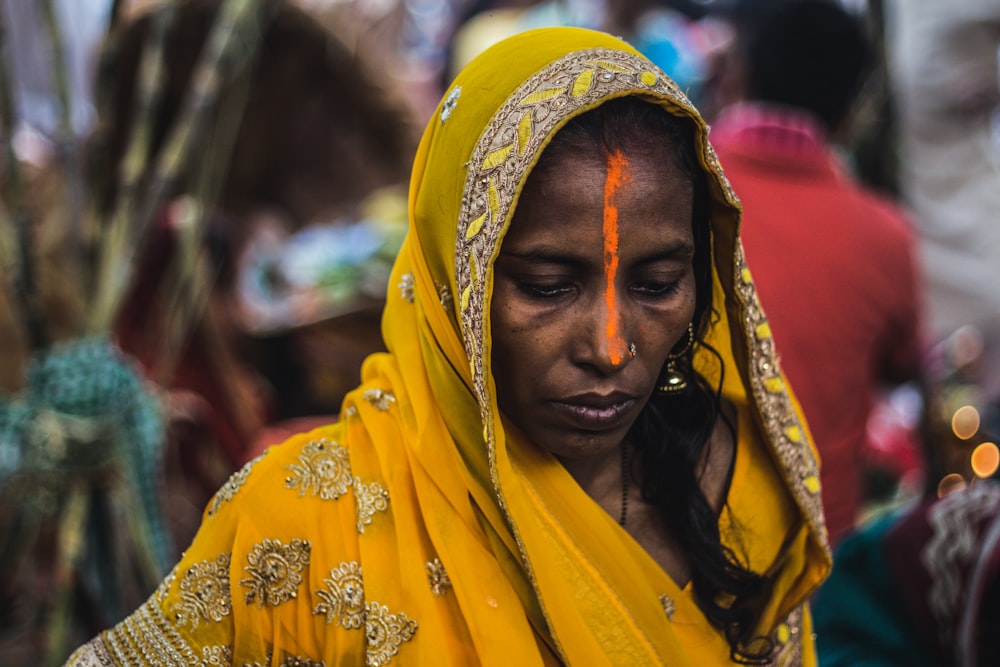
[
  {"x": 673, "y": 431},
  {"x": 808, "y": 54}
]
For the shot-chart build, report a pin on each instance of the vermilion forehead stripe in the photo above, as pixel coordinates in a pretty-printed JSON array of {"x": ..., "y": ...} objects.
[{"x": 617, "y": 177}]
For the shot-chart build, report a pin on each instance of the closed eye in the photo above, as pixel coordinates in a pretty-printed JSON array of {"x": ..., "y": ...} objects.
[{"x": 656, "y": 288}]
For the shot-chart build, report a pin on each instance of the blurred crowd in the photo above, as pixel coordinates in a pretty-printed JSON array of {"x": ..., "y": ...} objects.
[{"x": 200, "y": 203}]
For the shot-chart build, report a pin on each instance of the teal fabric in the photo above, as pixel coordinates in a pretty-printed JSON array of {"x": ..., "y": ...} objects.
[
  {"x": 86, "y": 419},
  {"x": 858, "y": 614}
]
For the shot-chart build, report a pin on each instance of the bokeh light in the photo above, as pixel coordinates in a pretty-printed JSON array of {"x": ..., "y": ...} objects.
[
  {"x": 985, "y": 459},
  {"x": 965, "y": 422},
  {"x": 950, "y": 484}
]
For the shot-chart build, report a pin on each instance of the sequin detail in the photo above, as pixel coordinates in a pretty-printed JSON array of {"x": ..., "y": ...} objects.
[
  {"x": 669, "y": 608},
  {"x": 444, "y": 295},
  {"x": 787, "y": 639},
  {"x": 370, "y": 498},
  {"x": 323, "y": 469},
  {"x": 275, "y": 571},
  {"x": 233, "y": 485},
  {"x": 380, "y": 398},
  {"x": 217, "y": 656},
  {"x": 148, "y": 638},
  {"x": 342, "y": 601},
  {"x": 450, "y": 103},
  {"x": 204, "y": 593},
  {"x": 437, "y": 576},
  {"x": 384, "y": 633},
  {"x": 406, "y": 286}
]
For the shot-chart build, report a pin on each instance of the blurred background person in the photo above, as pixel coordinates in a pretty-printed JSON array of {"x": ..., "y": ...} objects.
[
  {"x": 942, "y": 66},
  {"x": 834, "y": 262}
]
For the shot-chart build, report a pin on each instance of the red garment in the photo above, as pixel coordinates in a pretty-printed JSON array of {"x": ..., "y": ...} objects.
[{"x": 835, "y": 269}]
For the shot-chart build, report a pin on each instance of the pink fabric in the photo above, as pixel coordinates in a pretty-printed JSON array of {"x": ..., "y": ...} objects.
[{"x": 835, "y": 269}]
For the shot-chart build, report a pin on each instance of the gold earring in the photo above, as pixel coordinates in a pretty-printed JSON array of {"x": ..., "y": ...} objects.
[{"x": 673, "y": 381}]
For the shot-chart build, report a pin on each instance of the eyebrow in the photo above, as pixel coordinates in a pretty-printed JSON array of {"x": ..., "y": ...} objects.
[{"x": 543, "y": 255}]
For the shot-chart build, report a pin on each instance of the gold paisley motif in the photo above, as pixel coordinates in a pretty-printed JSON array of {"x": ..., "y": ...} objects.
[
  {"x": 233, "y": 485},
  {"x": 342, "y": 601},
  {"x": 371, "y": 498},
  {"x": 204, "y": 593},
  {"x": 380, "y": 398},
  {"x": 275, "y": 571},
  {"x": 437, "y": 576},
  {"x": 323, "y": 469},
  {"x": 384, "y": 633}
]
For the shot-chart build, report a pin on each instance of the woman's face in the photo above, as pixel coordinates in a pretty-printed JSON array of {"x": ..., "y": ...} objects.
[{"x": 598, "y": 258}]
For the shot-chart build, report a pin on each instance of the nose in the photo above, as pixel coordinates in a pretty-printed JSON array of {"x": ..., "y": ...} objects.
[{"x": 605, "y": 342}]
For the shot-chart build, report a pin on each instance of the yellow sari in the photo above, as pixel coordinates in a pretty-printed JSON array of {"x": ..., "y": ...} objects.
[{"x": 416, "y": 530}]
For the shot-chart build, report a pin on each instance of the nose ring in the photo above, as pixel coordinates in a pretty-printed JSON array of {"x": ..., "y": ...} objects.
[{"x": 631, "y": 350}]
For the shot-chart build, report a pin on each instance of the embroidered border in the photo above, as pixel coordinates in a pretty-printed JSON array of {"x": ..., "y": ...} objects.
[
  {"x": 233, "y": 485},
  {"x": 788, "y": 640}
]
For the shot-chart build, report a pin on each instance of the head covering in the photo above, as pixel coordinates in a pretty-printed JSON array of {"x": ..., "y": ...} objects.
[
  {"x": 574, "y": 569},
  {"x": 417, "y": 525}
]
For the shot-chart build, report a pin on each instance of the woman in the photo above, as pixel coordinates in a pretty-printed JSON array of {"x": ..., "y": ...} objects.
[{"x": 503, "y": 487}]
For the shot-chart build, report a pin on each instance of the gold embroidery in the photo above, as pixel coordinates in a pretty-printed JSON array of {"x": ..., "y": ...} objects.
[
  {"x": 91, "y": 654},
  {"x": 444, "y": 295},
  {"x": 371, "y": 498},
  {"x": 350, "y": 411},
  {"x": 275, "y": 571},
  {"x": 217, "y": 656},
  {"x": 406, "y": 286},
  {"x": 232, "y": 485},
  {"x": 147, "y": 638},
  {"x": 787, "y": 639},
  {"x": 668, "y": 606},
  {"x": 204, "y": 593},
  {"x": 343, "y": 600},
  {"x": 437, "y": 576},
  {"x": 385, "y": 632},
  {"x": 324, "y": 468},
  {"x": 380, "y": 398}
]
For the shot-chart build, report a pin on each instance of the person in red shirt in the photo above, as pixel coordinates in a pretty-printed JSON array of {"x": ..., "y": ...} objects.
[{"x": 834, "y": 263}]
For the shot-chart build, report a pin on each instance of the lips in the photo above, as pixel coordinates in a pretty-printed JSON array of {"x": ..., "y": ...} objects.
[{"x": 595, "y": 412}]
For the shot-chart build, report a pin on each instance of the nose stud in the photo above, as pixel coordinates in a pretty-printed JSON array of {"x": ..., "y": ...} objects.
[{"x": 631, "y": 350}]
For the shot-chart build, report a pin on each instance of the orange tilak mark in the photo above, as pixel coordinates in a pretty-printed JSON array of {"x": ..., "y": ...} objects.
[{"x": 616, "y": 179}]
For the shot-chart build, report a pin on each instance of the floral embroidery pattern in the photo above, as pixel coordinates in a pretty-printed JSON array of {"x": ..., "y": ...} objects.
[
  {"x": 342, "y": 602},
  {"x": 343, "y": 599},
  {"x": 668, "y": 606},
  {"x": 350, "y": 411},
  {"x": 217, "y": 656},
  {"x": 323, "y": 468},
  {"x": 371, "y": 498},
  {"x": 384, "y": 632},
  {"x": 232, "y": 485},
  {"x": 406, "y": 285},
  {"x": 380, "y": 398},
  {"x": 204, "y": 593},
  {"x": 275, "y": 571},
  {"x": 437, "y": 576}
]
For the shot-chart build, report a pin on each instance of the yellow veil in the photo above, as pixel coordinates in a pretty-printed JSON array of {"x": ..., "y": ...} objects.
[
  {"x": 416, "y": 530},
  {"x": 577, "y": 573}
]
